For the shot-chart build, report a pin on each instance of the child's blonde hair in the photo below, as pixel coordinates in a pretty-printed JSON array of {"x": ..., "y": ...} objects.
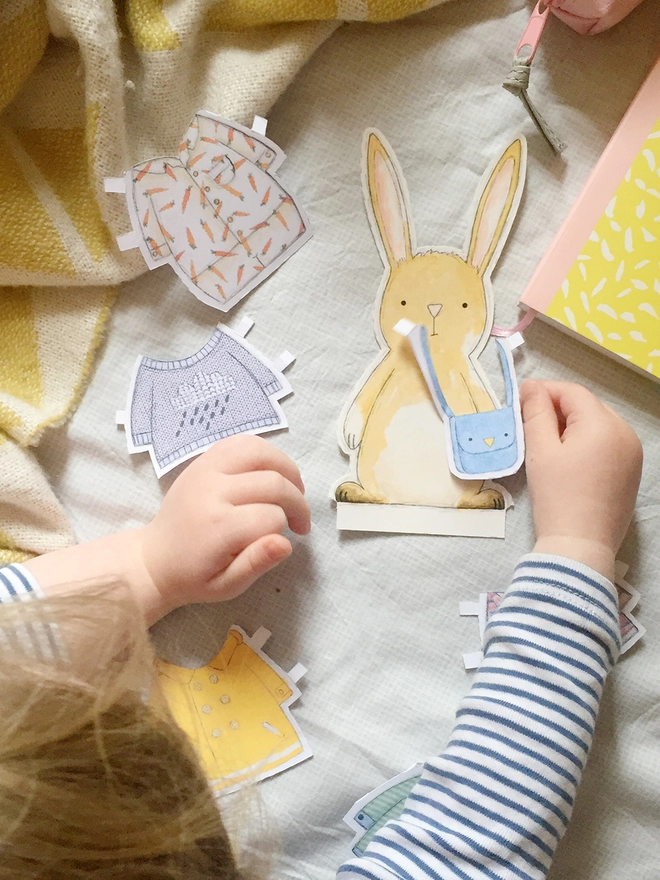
[{"x": 95, "y": 778}]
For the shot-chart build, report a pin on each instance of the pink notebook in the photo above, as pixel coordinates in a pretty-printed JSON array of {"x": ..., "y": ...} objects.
[{"x": 600, "y": 279}]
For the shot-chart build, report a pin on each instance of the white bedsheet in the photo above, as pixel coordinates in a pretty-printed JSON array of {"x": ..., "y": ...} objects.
[{"x": 375, "y": 618}]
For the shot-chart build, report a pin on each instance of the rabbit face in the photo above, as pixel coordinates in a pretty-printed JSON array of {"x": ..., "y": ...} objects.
[
  {"x": 440, "y": 291},
  {"x": 443, "y": 291}
]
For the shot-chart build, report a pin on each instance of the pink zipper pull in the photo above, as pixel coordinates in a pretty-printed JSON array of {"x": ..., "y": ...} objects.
[{"x": 532, "y": 35}]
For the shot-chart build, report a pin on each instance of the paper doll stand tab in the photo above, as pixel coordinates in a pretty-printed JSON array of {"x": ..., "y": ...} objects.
[
  {"x": 400, "y": 478},
  {"x": 177, "y": 409},
  {"x": 217, "y": 212},
  {"x": 236, "y": 711}
]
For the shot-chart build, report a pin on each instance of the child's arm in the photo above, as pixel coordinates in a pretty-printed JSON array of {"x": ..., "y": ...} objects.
[
  {"x": 497, "y": 801},
  {"x": 218, "y": 530}
]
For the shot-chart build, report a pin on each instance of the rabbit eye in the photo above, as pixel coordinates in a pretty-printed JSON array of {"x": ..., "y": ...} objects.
[
  {"x": 403, "y": 302},
  {"x": 470, "y": 439},
  {"x": 465, "y": 305},
  {"x": 506, "y": 435}
]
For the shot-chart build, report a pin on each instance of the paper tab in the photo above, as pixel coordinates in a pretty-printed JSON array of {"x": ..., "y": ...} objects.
[
  {"x": 417, "y": 520},
  {"x": 403, "y": 327},
  {"x": 259, "y": 124},
  {"x": 469, "y": 609},
  {"x": 473, "y": 659},
  {"x": 114, "y": 184},
  {"x": 120, "y": 417},
  {"x": 515, "y": 340},
  {"x": 244, "y": 326},
  {"x": 260, "y": 638},
  {"x": 128, "y": 241},
  {"x": 284, "y": 360},
  {"x": 297, "y": 672}
]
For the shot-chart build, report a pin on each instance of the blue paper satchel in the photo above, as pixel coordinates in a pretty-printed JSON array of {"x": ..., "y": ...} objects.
[{"x": 482, "y": 444}]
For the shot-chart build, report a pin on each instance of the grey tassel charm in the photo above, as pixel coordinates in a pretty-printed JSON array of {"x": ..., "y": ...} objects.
[{"x": 517, "y": 83}]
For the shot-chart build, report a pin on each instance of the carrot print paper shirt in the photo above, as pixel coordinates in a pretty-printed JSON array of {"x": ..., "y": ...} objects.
[
  {"x": 217, "y": 213},
  {"x": 236, "y": 712}
]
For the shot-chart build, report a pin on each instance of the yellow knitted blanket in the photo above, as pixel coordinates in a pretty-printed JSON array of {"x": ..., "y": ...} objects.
[{"x": 88, "y": 88}]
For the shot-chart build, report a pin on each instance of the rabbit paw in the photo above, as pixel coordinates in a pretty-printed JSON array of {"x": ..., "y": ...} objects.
[
  {"x": 487, "y": 499},
  {"x": 355, "y": 493},
  {"x": 353, "y": 428}
]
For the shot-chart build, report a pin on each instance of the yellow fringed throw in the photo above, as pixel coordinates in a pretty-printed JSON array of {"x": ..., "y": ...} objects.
[{"x": 88, "y": 88}]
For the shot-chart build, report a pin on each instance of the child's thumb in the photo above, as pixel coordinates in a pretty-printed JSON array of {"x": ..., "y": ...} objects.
[{"x": 251, "y": 563}]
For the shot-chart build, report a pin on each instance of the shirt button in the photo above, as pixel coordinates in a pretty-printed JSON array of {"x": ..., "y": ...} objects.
[
  {"x": 268, "y": 154},
  {"x": 234, "y": 725},
  {"x": 213, "y": 678},
  {"x": 197, "y": 686},
  {"x": 230, "y": 219},
  {"x": 216, "y": 201},
  {"x": 216, "y": 732},
  {"x": 224, "y": 699},
  {"x": 206, "y": 710},
  {"x": 195, "y": 173},
  {"x": 207, "y": 189}
]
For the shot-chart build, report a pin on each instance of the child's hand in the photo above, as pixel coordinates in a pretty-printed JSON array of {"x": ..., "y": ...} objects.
[
  {"x": 220, "y": 525},
  {"x": 584, "y": 465},
  {"x": 218, "y": 530}
]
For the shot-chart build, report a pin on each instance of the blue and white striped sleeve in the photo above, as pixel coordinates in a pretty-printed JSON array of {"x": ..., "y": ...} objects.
[
  {"x": 40, "y": 640},
  {"x": 497, "y": 801},
  {"x": 17, "y": 583}
]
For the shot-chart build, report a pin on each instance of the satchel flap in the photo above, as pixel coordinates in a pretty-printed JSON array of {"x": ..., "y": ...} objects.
[{"x": 484, "y": 432}]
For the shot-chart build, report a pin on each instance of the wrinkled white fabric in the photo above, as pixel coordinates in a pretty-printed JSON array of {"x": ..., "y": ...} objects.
[{"x": 375, "y": 618}]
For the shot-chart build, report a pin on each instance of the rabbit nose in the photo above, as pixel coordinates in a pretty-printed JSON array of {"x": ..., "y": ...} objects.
[{"x": 434, "y": 309}]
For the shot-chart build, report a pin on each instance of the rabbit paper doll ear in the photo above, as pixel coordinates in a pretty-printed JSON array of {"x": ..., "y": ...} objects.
[
  {"x": 387, "y": 198},
  {"x": 497, "y": 207}
]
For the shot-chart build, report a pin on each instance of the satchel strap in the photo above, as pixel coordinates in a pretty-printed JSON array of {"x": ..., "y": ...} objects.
[
  {"x": 503, "y": 352},
  {"x": 436, "y": 385},
  {"x": 506, "y": 369}
]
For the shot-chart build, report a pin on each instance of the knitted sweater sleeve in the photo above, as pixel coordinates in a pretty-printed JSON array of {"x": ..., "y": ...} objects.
[{"x": 497, "y": 801}]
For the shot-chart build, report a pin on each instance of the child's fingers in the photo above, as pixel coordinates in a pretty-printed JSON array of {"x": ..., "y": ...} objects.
[
  {"x": 251, "y": 563},
  {"x": 539, "y": 416},
  {"x": 269, "y": 487},
  {"x": 574, "y": 403},
  {"x": 244, "y": 453},
  {"x": 248, "y": 523}
]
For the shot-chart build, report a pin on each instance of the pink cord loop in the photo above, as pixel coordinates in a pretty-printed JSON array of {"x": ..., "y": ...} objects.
[{"x": 517, "y": 328}]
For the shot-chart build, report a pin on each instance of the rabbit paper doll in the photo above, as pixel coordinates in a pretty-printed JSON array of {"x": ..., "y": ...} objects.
[{"x": 390, "y": 428}]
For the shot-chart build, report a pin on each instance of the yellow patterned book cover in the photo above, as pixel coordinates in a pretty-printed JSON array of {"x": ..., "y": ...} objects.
[{"x": 600, "y": 279}]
